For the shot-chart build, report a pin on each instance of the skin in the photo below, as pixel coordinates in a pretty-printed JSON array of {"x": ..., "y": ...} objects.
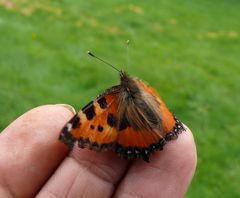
[{"x": 33, "y": 162}]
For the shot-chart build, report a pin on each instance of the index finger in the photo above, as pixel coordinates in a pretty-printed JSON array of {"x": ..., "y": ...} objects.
[{"x": 30, "y": 150}]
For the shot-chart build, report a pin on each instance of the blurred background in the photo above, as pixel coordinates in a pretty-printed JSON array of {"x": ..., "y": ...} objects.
[{"x": 189, "y": 51}]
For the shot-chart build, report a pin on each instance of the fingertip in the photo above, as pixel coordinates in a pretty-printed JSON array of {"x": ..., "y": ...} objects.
[
  {"x": 178, "y": 160},
  {"x": 182, "y": 151},
  {"x": 189, "y": 147}
]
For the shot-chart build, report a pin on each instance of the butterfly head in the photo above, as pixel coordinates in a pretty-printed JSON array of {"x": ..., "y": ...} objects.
[
  {"x": 123, "y": 76},
  {"x": 129, "y": 86}
]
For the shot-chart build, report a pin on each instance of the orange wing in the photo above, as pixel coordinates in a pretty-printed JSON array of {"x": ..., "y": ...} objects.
[{"x": 94, "y": 126}]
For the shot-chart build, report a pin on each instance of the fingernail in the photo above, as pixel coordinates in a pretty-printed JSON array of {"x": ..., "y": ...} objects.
[{"x": 69, "y": 107}]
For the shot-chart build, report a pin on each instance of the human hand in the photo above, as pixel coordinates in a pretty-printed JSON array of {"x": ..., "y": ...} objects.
[{"x": 33, "y": 162}]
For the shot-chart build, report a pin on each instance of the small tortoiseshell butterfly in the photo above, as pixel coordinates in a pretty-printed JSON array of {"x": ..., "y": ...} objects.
[{"x": 130, "y": 118}]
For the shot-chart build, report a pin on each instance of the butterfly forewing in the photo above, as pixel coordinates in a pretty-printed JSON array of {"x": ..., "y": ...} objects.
[{"x": 96, "y": 121}]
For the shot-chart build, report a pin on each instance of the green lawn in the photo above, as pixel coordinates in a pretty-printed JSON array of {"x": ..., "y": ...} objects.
[{"x": 188, "y": 50}]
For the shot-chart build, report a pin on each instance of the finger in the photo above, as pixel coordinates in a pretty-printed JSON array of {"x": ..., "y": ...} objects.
[
  {"x": 30, "y": 150},
  {"x": 168, "y": 174},
  {"x": 86, "y": 174}
]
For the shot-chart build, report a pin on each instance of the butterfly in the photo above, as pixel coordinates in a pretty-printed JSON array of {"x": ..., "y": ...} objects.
[{"x": 130, "y": 119}]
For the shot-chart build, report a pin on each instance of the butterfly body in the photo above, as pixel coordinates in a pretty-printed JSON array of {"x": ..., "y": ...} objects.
[{"x": 130, "y": 118}]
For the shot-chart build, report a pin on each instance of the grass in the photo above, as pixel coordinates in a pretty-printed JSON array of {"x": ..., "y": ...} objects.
[{"x": 187, "y": 50}]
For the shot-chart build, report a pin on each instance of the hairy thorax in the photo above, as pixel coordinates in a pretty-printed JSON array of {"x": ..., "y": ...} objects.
[{"x": 139, "y": 109}]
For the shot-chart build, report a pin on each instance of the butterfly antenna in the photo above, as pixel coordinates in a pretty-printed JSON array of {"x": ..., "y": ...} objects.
[
  {"x": 107, "y": 63},
  {"x": 127, "y": 52}
]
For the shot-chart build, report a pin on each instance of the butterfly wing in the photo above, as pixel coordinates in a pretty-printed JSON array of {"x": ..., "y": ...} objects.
[{"x": 93, "y": 127}]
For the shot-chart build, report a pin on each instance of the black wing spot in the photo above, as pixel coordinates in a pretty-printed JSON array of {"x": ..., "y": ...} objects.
[
  {"x": 111, "y": 120},
  {"x": 91, "y": 126},
  {"x": 89, "y": 111},
  {"x": 102, "y": 102},
  {"x": 75, "y": 121},
  {"x": 100, "y": 128},
  {"x": 123, "y": 124}
]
